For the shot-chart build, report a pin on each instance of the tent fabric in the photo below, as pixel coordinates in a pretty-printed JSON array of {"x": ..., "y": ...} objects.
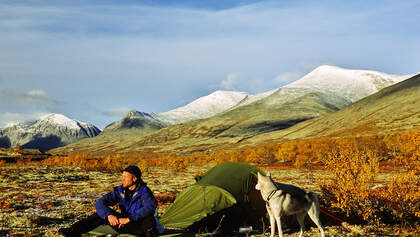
[
  {"x": 195, "y": 203},
  {"x": 107, "y": 230},
  {"x": 235, "y": 177},
  {"x": 219, "y": 188}
]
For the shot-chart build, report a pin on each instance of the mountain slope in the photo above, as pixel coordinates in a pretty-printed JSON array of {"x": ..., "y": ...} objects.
[
  {"x": 136, "y": 122},
  {"x": 281, "y": 109},
  {"x": 329, "y": 80},
  {"x": 391, "y": 110},
  {"x": 51, "y": 131},
  {"x": 252, "y": 98},
  {"x": 204, "y": 107},
  {"x": 274, "y": 110},
  {"x": 351, "y": 84}
]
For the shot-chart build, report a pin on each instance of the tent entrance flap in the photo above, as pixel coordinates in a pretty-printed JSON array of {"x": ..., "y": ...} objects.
[{"x": 195, "y": 203}]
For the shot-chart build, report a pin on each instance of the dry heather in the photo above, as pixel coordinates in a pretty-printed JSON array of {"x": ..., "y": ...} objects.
[
  {"x": 41, "y": 199},
  {"x": 37, "y": 200}
]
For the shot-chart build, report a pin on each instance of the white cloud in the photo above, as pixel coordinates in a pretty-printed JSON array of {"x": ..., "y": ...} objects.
[
  {"x": 39, "y": 97},
  {"x": 230, "y": 82},
  {"x": 117, "y": 112},
  {"x": 153, "y": 57}
]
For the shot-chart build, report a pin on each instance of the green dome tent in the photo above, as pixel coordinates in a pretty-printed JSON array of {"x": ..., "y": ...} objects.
[{"x": 222, "y": 187}]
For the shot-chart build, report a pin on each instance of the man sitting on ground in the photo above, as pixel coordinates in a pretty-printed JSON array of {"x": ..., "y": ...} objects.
[{"x": 137, "y": 205}]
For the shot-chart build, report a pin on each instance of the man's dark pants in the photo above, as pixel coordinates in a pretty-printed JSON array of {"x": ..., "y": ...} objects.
[{"x": 145, "y": 227}]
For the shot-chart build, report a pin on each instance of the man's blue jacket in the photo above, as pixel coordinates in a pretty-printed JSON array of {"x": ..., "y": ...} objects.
[{"x": 142, "y": 204}]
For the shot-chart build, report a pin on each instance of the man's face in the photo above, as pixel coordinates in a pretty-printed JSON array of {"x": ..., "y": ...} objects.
[{"x": 128, "y": 179}]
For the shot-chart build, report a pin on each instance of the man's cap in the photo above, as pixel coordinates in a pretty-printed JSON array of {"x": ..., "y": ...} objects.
[{"x": 134, "y": 170}]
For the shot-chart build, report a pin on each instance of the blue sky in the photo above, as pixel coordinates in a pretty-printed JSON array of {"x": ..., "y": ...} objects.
[{"x": 94, "y": 60}]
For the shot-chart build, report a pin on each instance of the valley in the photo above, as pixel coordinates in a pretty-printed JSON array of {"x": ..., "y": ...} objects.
[
  {"x": 37, "y": 200},
  {"x": 354, "y": 142},
  {"x": 205, "y": 98}
]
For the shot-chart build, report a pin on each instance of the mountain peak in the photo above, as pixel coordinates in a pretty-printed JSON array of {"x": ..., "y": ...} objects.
[
  {"x": 204, "y": 107},
  {"x": 61, "y": 120},
  {"x": 50, "y": 131},
  {"x": 222, "y": 95},
  {"x": 224, "y": 92},
  {"x": 352, "y": 84},
  {"x": 326, "y": 67},
  {"x": 132, "y": 113},
  {"x": 137, "y": 122}
]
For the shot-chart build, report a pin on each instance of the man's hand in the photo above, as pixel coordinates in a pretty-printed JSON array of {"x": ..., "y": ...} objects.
[
  {"x": 113, "y": 220},
  {"x": 123, "y": 221}
]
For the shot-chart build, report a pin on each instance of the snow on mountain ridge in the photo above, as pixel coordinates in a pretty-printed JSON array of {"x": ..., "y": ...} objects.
[
  {"x": 204, "y": 107},
  {"x": 134, "y": 114},
  {"x": 149, "y": 117},
  {"x": 339, "y": 87},
  {"x": 351, "y": 84},
  {"x": 62, "y": 120},
  {"x": 50, "y": 131},
  {"x": 252, "y": 98},
  {"x": 12, "y": 124}
]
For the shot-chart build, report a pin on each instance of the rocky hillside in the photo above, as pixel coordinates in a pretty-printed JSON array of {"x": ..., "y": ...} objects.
[
  {"x": 136, "y": 122},
  {"x": 51, "y": 131}
]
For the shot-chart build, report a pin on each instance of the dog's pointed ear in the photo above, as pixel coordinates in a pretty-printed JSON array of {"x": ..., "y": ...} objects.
[{"x": 268, "y": 174}]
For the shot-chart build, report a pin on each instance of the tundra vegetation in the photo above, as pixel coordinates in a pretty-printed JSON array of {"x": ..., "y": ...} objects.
[{"x": 370, "y": 182}]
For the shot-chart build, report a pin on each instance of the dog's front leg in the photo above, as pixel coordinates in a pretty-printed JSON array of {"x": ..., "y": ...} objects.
[
  {"x": 278, "y": 220},
  {"x": 276, "y": 212},
  {"x": 272, "y": 221}
]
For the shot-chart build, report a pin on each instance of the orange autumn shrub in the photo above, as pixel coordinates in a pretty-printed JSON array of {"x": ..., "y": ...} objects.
[
  {"x": 399, "y": 148},
  {"x": 353, "y": 163},
  {"x": 353, "y": 167},
  {"x": 404, "y": 148},
  {"x": 399, "y": 200}
]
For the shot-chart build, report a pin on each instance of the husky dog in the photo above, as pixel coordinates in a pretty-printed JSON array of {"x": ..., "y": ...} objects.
[{"x": 285, "y": 200}]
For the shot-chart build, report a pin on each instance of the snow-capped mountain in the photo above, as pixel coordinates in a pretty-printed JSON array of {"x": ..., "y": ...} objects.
[
  {"x": 325, "y": 90},
  {"x": 50, "y": 131},
  {"x": 204, "y": 107},
  {"x": 350, "y": 84},
  {"x": 338, "y": 83},
  {"x": 138, "y": 121},
  {"x": 339, "y": 87},
  {"x": 252, "y": 98}
]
